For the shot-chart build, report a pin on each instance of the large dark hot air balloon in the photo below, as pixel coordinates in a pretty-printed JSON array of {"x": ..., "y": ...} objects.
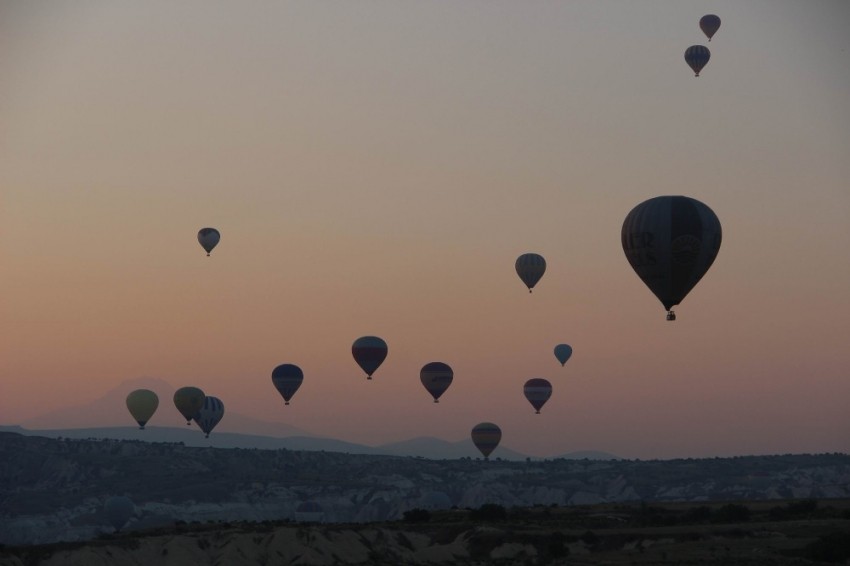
[
  {"x": 670, "y": 242},
  {"x": 142, "y": 404},
  {"x": 563, "y": 353},
  {"x": 530, "y": 268},
  {"x": 208, "y": 238},
  {"x": 537, "y": 391},
  {"x": 287, "y": 378},
  {"x": 189, "y": 401},
  {"x": 696, "y": 56},
  {"x": 709, "y": 24},
  {"x": 210, "y": 414},
  {"x": 369, "y": 352},
  {"x": 486, "y": 437},
  {"x": 436, "y": 377}
]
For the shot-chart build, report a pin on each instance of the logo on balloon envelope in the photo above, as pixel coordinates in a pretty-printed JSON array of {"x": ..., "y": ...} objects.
[{"x": 685, "y": 249}]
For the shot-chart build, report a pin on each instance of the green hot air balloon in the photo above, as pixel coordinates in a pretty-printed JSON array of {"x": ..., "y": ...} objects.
[
  {"x": 142, "y": 404},
  {"x": 189, "y": 401},
  {"x": 486, "y": 437},
  {"x": 670, "y": 242}
]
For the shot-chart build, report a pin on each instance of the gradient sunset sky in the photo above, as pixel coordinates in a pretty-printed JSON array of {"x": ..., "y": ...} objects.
[{"x": 376, "y": 167}]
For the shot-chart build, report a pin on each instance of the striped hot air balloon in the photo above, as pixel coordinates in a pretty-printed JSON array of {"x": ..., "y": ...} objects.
[
  {"x": 287, "y": 378},
  {"x": 537, "y": 391},
  {"x": 210, "y": 414},
  {"x": 369, "y": 352},
  {"x": 696, "y": 56},
  {"x": 436, "y": 377},
  {"x": 486, "y": 437},
  {"x": 530, "y": 268},
  {"x": 709, "y": 24},
  {"x": 670, "y": 242}
]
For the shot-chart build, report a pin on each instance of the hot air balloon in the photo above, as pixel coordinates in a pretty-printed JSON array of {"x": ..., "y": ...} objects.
[
  {"x": 436, "y": 377},
  {"x": 208, "y": 238},
  {"x": 369, "y": 352},
  {"x": 142, "y": 404},
  {"x": 287, "y": 378},
  {"x": 486, "y": 437},
  {"x": 530, "y": 268},
  {"x": 670, "y": 242},
  {"x": 709, "y": 24},
  {"x": 189, "y": 401},
  {"x": 696, "y": 56},
  {"x": 209, "y": 415},
  {"x": 563, "y": 353},
  {"x": 118, "y": 510},
  {"x": 537, "y": 391}
]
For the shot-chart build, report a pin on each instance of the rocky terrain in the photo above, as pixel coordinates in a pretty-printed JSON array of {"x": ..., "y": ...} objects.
[
  {"x": 54, "y": 490},
  {"x": 766, "y": 533}
]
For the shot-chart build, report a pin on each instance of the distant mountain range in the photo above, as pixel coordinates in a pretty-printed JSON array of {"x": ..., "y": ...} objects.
[
  {"x": 423, "y": 447},
  {"x": 86, "y": 421}
]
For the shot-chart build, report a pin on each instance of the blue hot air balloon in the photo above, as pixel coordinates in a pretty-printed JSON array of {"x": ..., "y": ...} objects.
[
  {"x": 287, "y": 378},
  {"x": 563, "y": 353}
]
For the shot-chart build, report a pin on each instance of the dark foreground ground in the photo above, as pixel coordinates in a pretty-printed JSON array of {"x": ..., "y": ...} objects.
[{"x": 762, "y": 532}]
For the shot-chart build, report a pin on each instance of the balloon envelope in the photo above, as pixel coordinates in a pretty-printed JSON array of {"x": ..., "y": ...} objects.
[
  {"x": 118, "y": 510},
  {"x": 537, "y": 391},
  {"x": 709, "y": 24},
  {"x": 563, "y": 353},
  {"x": 369, "y": 352},
  {"x": 696, "y": 56},
  {"x": 142, "y": 404},
  {"x": 189, "y": 401},
  {"x": 670, "y": 242},
  {"x": 486, "y": 437},
  {"x": 287, "y": 378},
  {"x": 530, "y": 268},
  {"x": 436, "y": 377},
  {"x": 210, "y": 414},
  {"x": 208, "y": 238}
]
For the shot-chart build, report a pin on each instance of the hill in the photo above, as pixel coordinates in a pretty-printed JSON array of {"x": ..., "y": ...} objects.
[{"x": 54, "y": 489}]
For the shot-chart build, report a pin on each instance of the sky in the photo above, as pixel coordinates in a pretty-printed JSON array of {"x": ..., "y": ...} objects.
[{"x": 376, "y": 167}]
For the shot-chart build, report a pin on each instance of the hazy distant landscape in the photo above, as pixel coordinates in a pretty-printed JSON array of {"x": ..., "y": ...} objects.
[{"x": 54, "y": 490}]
